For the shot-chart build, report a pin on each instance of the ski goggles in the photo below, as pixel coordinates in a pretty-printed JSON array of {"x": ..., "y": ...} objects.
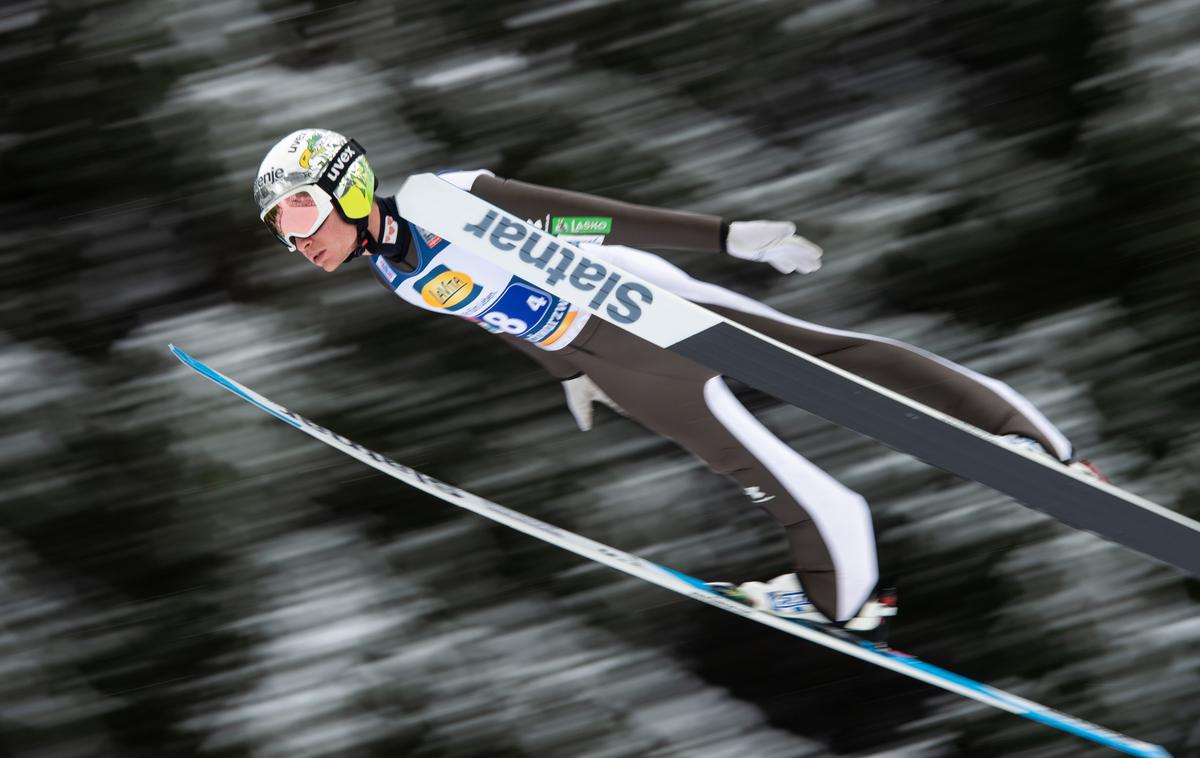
[{"x": 298, "y": 214}]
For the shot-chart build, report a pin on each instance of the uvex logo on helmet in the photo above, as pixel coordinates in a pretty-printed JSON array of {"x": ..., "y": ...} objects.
[{"x": 340, "y": 163}]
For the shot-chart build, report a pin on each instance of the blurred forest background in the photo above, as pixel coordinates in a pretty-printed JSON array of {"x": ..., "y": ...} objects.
[{"x": 1014, "y": 185}]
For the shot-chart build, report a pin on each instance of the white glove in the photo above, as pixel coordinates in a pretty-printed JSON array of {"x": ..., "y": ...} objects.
[
  {"x": 581, "y": 393},
  {"x": 774, "y": 242}
]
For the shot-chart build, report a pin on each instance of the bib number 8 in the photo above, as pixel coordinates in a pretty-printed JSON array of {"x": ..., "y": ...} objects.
[{"x": 505, "y": 324}]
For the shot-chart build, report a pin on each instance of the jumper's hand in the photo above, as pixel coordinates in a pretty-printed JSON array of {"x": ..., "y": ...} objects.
[
  {"x": 774, "y": 242},
  {"x": 581, "y": 393}
]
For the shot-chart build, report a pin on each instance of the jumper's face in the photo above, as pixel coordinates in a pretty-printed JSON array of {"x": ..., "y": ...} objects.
[
  {"x": 331, "y": 245},
  {"x": 305, "y": 219}
]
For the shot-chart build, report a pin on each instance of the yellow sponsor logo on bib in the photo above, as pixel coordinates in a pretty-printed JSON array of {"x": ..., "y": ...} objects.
[{"x": 447, "y": 289}]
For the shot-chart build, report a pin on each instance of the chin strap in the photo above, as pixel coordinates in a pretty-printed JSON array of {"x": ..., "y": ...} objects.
[{"x": 364, "y": 243}]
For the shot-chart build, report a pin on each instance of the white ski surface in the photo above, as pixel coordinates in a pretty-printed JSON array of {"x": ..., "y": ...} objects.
[{"x": 682, "y": 583}]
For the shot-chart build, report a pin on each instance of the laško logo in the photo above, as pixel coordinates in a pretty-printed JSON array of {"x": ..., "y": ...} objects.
[{"x": 581, "y": 225}]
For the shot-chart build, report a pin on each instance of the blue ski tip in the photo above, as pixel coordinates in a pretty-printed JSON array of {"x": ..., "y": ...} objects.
[{"x": 200, "y": 368}]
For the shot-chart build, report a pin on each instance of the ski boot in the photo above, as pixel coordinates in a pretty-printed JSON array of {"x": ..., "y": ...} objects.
[
  {"x": 783, "y": 597},
  {"x": 1082, "y": 465}
]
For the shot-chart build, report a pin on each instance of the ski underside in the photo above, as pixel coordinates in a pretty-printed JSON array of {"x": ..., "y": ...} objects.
[{"x": 683, "y": 584}]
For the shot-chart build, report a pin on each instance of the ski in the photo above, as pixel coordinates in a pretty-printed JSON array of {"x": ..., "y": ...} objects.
[
  {"x": 681, "y": 583},
  {"x": 676, "y": 324}
]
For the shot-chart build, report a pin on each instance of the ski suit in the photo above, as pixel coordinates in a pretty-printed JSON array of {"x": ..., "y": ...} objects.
[{"x": 828, "y": 526}]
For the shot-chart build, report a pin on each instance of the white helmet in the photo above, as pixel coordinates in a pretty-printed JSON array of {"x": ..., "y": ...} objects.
[{"x": 306, "y": 175}]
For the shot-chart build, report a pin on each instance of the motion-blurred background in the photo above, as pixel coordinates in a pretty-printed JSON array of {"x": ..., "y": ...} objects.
[{"x": 1012, "y": 184}]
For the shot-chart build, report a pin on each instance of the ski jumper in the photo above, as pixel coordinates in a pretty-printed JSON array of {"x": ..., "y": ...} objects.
[{"x": 828, "y": 526}]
